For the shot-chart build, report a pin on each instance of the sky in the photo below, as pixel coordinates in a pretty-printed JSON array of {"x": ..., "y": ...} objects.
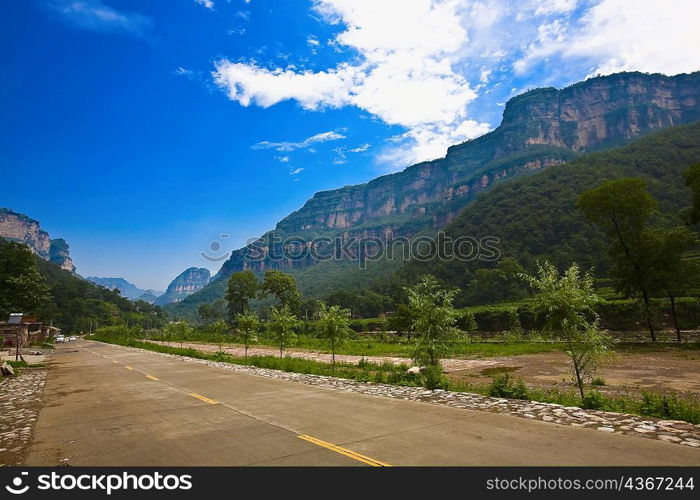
[{"x": 158, "y": 135}]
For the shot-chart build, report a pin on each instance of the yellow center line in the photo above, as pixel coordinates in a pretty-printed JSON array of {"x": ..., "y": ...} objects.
[
  {"x": 344, "y": 451},
  {"x": 115, "y": 362},
  {"x": 152, "y": 377},
  {"x": 205, "y": 399},
  {"x": 128, "y": 367}
]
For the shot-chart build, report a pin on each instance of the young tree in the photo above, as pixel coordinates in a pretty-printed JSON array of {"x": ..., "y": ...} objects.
[
  {"x": 334, "y": 326},
  {"x": 248, "y": 324},
  {"x": 434, "y": 325},
  {"x": 219, "y": 329},
  {"x": 622, "y": 208},
  {"x": 568, "y": 302},
  {"x": 179, "y": 330},
  {"x": 281, "y": 326},
  {"x": 284, "y": 287},
  {"x": 242, "y": 287}
]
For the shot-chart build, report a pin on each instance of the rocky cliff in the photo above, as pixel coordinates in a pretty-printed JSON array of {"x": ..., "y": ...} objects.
[
  {"x": 540, "y": 128},
  {"x": 23, "y": 229},
  {"x": 190, "y": 281}
]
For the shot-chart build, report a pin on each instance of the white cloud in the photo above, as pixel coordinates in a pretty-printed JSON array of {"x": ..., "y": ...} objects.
[
  {"x": 360, "y": 149},
  {"x": 296, "y": 171},
  {"x": 282, "y": 159},
  {"x": 209, "y": 4},
  {"x": 403, "y": 74},
  {"x": 411, "y": 63},
  {"x": 293, "y": 146},
  {"x": 94, "y": 15},
  {"x": 619, "y": 35}
]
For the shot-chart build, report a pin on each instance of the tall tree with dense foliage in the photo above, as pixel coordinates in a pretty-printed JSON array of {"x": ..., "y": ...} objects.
[
  {"x": 622, "y": 208},
  {"x": 248, "y": 324},
  {"x": 568, "y": 302},
  {"x": 22, "y": 288},
  {"x": 673, "y": 275},
  {"x": 242, "y": 288},
  {"x": 281, "y": 326},
  {"x": 434, "y": 325},
  {"x": 334, "y": 326},
  {"x": 284, "y": 287},
  {"x": 692, "y": 180}
]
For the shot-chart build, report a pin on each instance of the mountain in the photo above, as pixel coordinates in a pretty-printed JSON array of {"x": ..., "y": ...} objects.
[
  {"x": 23, "y": 229},
  {"x": 536, "y": 218},
  {"x": 540, "y": 128},
  {"x": 150, "y": 297},
  {"x": 188, "y": 282},
  {"x": 128, "y": 290}
]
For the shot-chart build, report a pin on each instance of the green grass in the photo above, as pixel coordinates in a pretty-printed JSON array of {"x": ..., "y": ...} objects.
[{"x": 402, "y": 348}]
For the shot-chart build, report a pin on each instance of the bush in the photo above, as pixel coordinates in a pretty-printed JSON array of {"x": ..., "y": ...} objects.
[
  {"x": 598, "y": 381},
  {"x": 433, "y": 378},
  {"x": 504, "y": 387},
  {"x": 594, "y": 400}
]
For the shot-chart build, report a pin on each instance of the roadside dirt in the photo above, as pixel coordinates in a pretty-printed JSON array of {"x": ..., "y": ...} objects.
[{"x": 627, "y": 372}]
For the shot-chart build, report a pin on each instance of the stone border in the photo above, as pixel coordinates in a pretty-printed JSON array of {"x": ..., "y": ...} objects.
[
  {"x": 670, "y": 431},
  {"x": 20, "y": 403}
]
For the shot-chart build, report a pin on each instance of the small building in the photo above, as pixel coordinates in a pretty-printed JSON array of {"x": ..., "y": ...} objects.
[{"x": 22, "y": 331}]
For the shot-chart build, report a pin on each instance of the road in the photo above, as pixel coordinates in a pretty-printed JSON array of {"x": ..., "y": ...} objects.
[{"x": 105, "y": 405}]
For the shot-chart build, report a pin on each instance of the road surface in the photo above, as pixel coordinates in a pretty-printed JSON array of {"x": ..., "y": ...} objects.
[{"x": 106, "y": 405}]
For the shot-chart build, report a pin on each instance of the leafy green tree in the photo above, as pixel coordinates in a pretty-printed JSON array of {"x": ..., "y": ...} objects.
[
  {"x": 284, "y": 287},
  {"x": 568, "y": 302},
  {"x": 622, "y": 208},
  {"x": 673, "y": 275},
  {"x": 248, "y": 324},
  {"x": 22, "y": 288},
  {"x": 177, "y": 331},
  {"x": 219, "y": 329},
  {"x": 206, "y": 312},
  {"x": 692, "y": 180},
  {"x": 310, "y": 308},
  {"x": 334, "y": 326},
  {"x": 497, "y": 284},
  {"x": 402, "y": 321},
  {"x": 434, "y": 325},
  {"x": 242, "y": 288},
  {"x": 281, "y": 326}
]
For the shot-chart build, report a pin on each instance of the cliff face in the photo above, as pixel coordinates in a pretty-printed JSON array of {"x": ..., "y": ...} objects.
[
  {"x": 23, "y": 229},
  {"x": 190, "y": 281},
  {"x": 540, "y": 128}
]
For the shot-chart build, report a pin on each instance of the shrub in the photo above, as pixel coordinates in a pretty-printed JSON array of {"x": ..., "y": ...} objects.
[
  {"x": 598, "y": 381},
  {"x": 504, "y": 387},
  {"x": 594, "y": 400}
]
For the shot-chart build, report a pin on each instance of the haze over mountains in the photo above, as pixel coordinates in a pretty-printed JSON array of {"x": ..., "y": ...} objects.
[{"x": 540, "y": 128}]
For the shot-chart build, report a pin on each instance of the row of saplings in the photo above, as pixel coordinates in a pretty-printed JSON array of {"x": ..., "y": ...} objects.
[{"x": 567, "y": 300}]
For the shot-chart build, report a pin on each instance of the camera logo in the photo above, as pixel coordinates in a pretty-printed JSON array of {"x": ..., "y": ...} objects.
[
  {"x": 215, "y": 247},
  {"x": 16, "y": 488}
]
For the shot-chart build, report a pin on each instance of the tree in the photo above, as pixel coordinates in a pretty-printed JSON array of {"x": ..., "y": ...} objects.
[
  {"x": 334, "y": 326},
  {"x": 568, "y": 302},
  {"x": 242, "y": 287},
  {"x": 434, "y": 324},
  {"x": 206, "y": 312},
  {"x": 622, "y": 208},
  {"x": 281, "y": 326},
  {"x": 692, "y": 180},
  {"x": 22, "y": 288},
  {"x": 310, "y": 308},
  {"x": 248, "y": 324},
  {"x": 673, "y": 276},
  {"x": 179, "y": 330},
  {"x": 284, "y": 287},
  {"x": 496, "y": 284},
  {"x": 219, "y": 329},
  {"x": 402, "y": 321}
]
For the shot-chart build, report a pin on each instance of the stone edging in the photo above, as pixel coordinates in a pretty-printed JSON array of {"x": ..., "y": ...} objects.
[{"x": 671, "y": 431}]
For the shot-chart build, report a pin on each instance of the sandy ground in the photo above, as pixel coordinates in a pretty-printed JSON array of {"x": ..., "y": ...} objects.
[{"x": 667, "y": 369}]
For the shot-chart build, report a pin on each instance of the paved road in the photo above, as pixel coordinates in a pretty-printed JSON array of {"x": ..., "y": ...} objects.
[{"x": 106, "y": 405}]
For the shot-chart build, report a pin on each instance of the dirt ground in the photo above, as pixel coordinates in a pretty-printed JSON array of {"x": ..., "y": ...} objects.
[{"x": 627, "y": 372}]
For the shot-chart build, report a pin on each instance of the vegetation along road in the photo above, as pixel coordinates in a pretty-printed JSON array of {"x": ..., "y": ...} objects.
[{"x": 107, "y": 405}]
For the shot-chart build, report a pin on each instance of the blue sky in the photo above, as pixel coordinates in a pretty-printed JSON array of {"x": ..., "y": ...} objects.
[{"x": 140, "y": 131}]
